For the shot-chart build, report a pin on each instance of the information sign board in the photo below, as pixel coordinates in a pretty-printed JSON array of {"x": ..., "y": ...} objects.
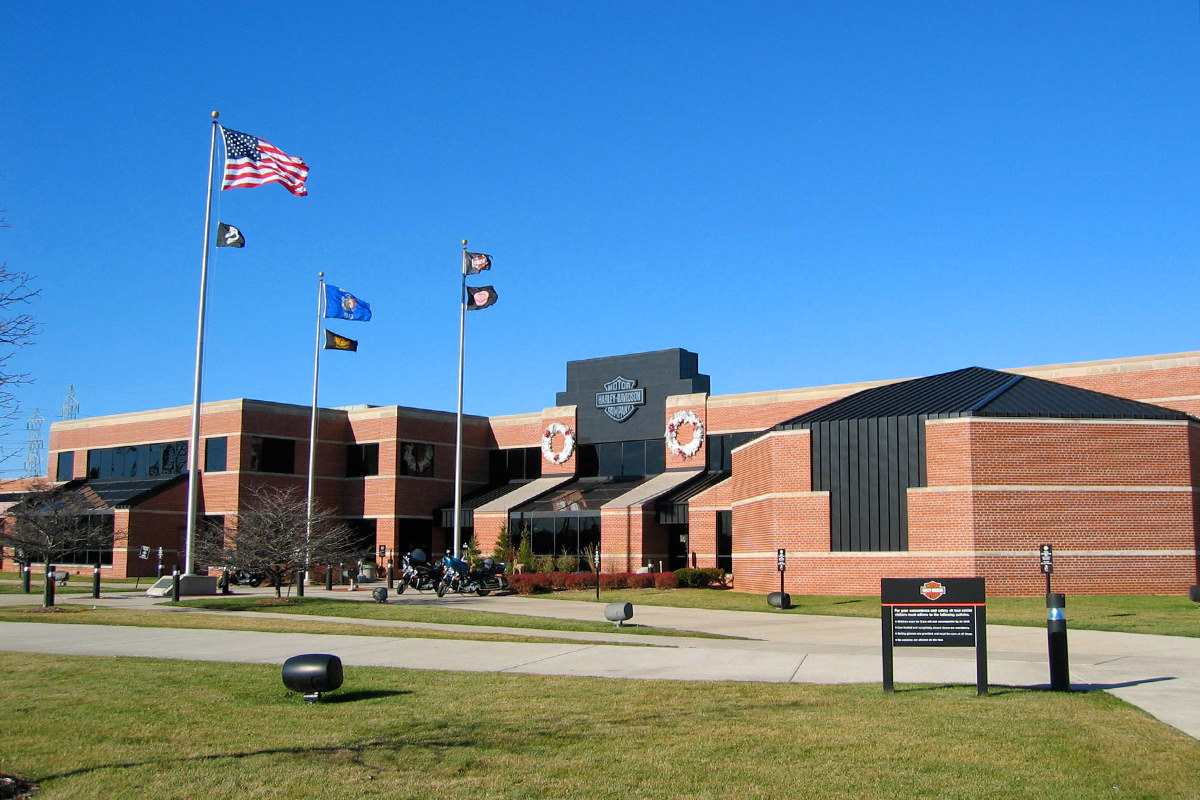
[{"x": 934, "y": 612}]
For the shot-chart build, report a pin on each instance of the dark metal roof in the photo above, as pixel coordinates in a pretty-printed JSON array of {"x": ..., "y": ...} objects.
[
  {"x": 980, "y": 392},
  {"x": 672, "y": 507},
  {"x": 473, "y": 501},
  {"x": 126, "y": 492},
  {"x": 581, "y": 494}
]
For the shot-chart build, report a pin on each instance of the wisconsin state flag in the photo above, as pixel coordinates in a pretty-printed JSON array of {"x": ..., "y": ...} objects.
[
  {"x": 480, "y": 297},
  {"x": 336, "y": 342}
]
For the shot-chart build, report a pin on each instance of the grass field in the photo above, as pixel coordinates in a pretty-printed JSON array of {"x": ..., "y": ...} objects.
[
  {"x": 117, "y": 728},
  {"x": 1165, "y": 615}
]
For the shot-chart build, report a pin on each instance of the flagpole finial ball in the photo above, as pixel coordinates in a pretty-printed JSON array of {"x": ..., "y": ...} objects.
[
  {"x": 320, "y": 274},
  {"x": 215, "y": 114},
  {"x": 464, "y": 242}
]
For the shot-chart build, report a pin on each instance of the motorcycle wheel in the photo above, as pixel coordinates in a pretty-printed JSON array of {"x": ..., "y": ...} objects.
[
  {"x": 400, "y": 587},
  {"x": 441, "y": 590},
  {"x": 255, "y": 582},
  {"x": 484, "y": 592}
]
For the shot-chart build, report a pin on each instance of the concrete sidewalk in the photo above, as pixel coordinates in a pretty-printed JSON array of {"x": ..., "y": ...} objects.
[{"x": 1160, "y": 674}]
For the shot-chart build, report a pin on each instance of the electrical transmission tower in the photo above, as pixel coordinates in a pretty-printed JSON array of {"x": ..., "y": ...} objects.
[
  {"x": 70, "y": 409},
  {"x": 33, "y": 458}
]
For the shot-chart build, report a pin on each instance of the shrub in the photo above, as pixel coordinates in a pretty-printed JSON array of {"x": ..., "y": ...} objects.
[
  {"x": 558, "y": 580},
  {"x": 566, "y": 563},
  {"x": 543, "y": 563},
  {"x": 666, "y": 580},
  {"x": 641, "y": 580},
  {"x": 581, "y": 580},
  {"x": 700, "y": 578},
  {"x": 529, "y": 583},
  {"x": 614, "y": 580}
]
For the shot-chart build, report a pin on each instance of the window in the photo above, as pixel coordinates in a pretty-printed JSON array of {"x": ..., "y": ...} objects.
[
  {"x": 622, "y": 459},
  {"x": 517, "y": 464},
  {"x": 215, "y": 453},
  {"x": 103, "y": 525},
  {"x": 362, "y": 460},
  {"x": 272, "y": 455},
  {"x": 66, "y": 466},
  {"x": 416, "y": 459},
  {"x": 138, "y": 461}
]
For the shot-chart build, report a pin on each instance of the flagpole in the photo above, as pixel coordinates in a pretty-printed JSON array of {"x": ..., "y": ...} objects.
[
  {"x": 312, "y": 436},
  {"x": 194, "y": 441},
  {"x": 462, "y": 328}
]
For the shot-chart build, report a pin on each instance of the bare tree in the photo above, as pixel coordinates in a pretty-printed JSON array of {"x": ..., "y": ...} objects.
[
  {"x": 17, "y": 329},
  {"x": 58, "y": 523},
  {"x": 271, "y": 535}
]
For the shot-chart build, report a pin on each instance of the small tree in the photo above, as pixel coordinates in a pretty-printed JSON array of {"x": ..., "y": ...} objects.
[
  {"x": 55, "y": 523},
  {"x": 525, "y": 551},
  {"x": 504, "y": 551},
  {"x": 271, "y": 534},
  {"x": 17, "y": 329}
]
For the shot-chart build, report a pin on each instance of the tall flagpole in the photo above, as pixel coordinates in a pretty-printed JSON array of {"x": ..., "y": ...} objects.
[
  {"x": 312, "y": 436},
  {"x": 462, "y": 328},
  {"x": 194, "y": 441}
]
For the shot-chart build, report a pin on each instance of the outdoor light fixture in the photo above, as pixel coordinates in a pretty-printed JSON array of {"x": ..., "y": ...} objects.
[
  {"x": 380, "y": 594},
  {"x": 618, "y": 612},
  {"x": 779, "y": 600},
  {"x": 312, "y": 674}
]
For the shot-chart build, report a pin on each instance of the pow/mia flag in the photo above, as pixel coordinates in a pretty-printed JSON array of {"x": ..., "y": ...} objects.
[
  {"x": 335, "y": 342},
  {"x": 229, "y": 236}
]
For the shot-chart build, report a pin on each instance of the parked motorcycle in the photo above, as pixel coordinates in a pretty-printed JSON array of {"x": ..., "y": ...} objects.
[
  {"x": 241, "y": 577},
  {"x": 457, "y": 576},
  {"x": 418, "y": 573}
]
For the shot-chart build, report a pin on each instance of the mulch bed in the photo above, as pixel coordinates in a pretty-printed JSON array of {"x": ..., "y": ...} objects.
[{"x": 14, "y": 787}]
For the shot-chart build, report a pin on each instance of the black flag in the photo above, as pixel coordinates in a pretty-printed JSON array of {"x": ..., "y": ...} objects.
[
  {"x": 480, "y": 297},
  {"x": 335, "y": 342},
  {"x": 229, "y": 236}
]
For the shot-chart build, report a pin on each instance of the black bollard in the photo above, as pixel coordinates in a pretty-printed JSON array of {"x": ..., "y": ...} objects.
[
  {"x": 25, "y": 573},
  {"x": 175, "y": 584},
  {"x": 48, "y": 595},
  {"x": 391, "y": 575},
  {"x": 329, "y": 577},
  {"x": 301, "y": 576},
  {"x": 1056, "y": 638},
  {"x": 96, "y": 581}
]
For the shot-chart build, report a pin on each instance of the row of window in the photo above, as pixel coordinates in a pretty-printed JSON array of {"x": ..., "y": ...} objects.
[{"x": 267, "y": 454}]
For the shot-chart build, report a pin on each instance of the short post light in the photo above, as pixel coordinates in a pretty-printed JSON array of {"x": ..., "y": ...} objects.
[{"x": 96, "y": 581}]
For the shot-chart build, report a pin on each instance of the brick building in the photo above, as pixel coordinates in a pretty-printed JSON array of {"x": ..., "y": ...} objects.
[{"x": 960, "y": 474}]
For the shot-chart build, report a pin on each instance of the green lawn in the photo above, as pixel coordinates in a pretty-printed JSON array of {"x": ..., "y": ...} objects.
[
  {"x": 1167, "y": 615},
  {"x": 117, "y": 728}
]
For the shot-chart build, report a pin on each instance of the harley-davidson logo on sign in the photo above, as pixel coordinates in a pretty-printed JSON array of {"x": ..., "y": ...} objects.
[{"x": 932, "y": 590}]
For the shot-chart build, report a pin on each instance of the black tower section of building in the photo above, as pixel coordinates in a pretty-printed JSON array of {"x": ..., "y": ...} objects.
[{"x": 599, "y": 385}]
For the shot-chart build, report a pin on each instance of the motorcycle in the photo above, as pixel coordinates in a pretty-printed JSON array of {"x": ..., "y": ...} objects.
[
  {"x": 241, "y": 577},
  {"x": 418, "y": 573},
  {"x": 458, "y": 576}
]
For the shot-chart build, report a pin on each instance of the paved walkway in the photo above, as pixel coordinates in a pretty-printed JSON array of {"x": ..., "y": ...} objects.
[{"x": 1160, "y": 674}]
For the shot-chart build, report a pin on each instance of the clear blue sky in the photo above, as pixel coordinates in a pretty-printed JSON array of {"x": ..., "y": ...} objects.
[{"x": 803, "y": 193}]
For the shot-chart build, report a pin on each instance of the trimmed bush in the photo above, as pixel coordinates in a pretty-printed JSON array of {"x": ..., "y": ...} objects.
[
  {"x": 614, "y": 580},
  {"x": 666, "y": 580},
  {"x": 577, "y": 581},
  {"x": 566, "y": 563},
  {"x": 641, "y": 580},
  {"x": 700, "y": 578},
  {"x": 543, "y": 563}
]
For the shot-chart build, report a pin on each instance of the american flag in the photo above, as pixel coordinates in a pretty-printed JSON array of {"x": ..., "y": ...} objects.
[{"x": 250, "y": 161}]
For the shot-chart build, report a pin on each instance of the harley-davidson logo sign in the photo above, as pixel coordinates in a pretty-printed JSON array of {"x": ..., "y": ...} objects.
[
  {"x": 620, "y": 398},
  {"x": 932, "y": 590}
]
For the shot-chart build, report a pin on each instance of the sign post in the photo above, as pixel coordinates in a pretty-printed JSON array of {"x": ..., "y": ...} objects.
[
  {"x": 935, "y": 612},
  {"x": 1046, "y": 554},
  {"x": 781, "y": 561}
]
